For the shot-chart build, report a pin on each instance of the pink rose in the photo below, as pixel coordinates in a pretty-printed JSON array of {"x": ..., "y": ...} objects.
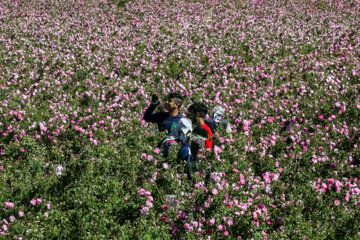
[
  {"x": 12, "y": 218},
  {"x": 214, "y": 191},
  {"x": 21, "y": 213},
  {"x": 9, "y": 204},
  {"x": 142, "y": 191}
]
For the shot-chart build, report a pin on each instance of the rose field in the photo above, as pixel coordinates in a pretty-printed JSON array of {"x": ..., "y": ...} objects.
[{"x": 77, "y": 160}]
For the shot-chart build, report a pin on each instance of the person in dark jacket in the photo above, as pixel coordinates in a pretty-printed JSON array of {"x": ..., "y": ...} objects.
[{"x": 166, "y": 121}]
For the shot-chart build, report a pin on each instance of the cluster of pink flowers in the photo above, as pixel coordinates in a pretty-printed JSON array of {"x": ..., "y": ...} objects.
[
  {"x": 147, "y": 157},
  {"x": 149, "y": 202},
  {"x": 34, "y": 202},
  {"x": 6, "y": 223},
  {"x": 350, "y": 187},
  {"x": 9, "y": 204},
  {"x": 85, "y": 82}
]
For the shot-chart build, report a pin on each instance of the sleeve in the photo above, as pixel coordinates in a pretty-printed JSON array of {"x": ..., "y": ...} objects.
[
  {"x": 208, "y": 143},
  {"x": 149, "y": 116},
  {"x": 185, "y": 152},
  {"x": 228, "y": 128}
]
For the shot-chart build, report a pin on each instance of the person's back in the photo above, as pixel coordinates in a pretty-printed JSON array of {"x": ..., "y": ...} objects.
[
  {"x": 178, "y": 136},
  {"x": 181, "y": 132},
  {"x": 190, "y": 148}
]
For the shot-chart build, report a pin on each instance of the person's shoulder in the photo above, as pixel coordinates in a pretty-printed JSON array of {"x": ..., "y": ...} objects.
[
  {"x": 209, "y": 119},
  {"x": 206, "y": 127},
  {"x": 165, "y": 114},
  {"x": 185, "y": 121},
  {"x": 161, "y": 115},
  {"x": 177, "y": 117}
]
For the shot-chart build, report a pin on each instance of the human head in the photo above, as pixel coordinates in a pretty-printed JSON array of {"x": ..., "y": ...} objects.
[
  {"x": 173, "y": 101},
  {"x": 197, "y": 111},
  {"x": 218, "y": 114}
]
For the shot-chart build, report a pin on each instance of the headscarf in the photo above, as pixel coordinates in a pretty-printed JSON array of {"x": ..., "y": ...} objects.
[{"x": 218, "y": 114}]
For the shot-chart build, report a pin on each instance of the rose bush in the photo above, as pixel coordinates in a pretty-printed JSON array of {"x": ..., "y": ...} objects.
[{"x": 78, "y": 161}]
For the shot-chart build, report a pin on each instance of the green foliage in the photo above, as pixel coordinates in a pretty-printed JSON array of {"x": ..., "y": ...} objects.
[{"x": 82, "y": 152}]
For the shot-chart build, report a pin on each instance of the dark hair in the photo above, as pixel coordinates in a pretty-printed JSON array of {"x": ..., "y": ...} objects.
[
  {"x": 200, "y": 108},
  {"x": 178, "y": 98}
]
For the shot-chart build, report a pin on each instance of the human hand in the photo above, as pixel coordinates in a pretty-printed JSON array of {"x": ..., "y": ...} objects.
[{"x": 155, "y": 100}]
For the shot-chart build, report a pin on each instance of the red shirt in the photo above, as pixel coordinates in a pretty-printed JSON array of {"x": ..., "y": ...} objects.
[{"x": 208, "y": 143}]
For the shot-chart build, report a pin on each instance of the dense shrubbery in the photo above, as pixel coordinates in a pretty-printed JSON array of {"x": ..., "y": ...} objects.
[{"x": 77, "y": 160}]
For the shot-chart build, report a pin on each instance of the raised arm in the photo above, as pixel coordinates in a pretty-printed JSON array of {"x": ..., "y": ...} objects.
[{"x": 149, "y": 116}]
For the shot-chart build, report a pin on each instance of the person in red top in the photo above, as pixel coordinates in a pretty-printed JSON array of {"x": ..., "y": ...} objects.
[{"x": 197, "y": 113}]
